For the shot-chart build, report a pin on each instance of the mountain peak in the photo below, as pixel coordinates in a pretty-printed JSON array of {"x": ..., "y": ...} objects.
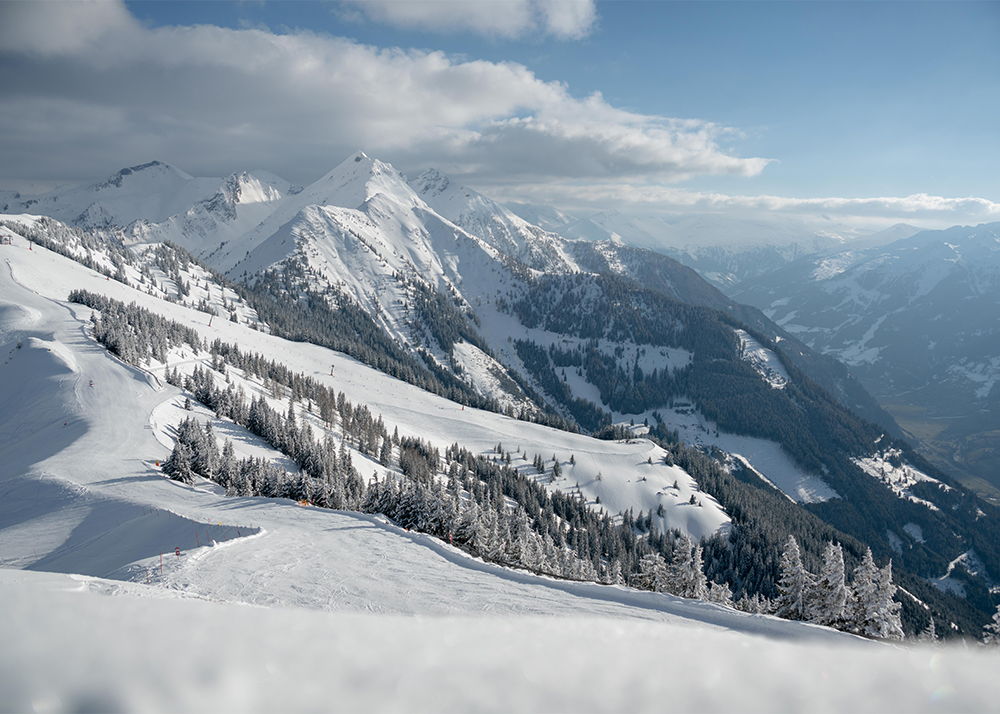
[
  {"x": 356, "y": 180},
  {"x": 431, "y": 183},
  {"x": 151, "y": 169}
]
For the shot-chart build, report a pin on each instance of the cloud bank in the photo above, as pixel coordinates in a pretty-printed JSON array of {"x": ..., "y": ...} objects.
[
  {"x": 924, "y": 209},
  {"x": 564, "y": 19},
  {"x": 86, "y": 89},
  {"x": 84, "y": 85}
]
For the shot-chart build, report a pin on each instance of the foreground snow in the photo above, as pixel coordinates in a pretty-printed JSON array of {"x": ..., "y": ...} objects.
[{"x": 74, "y": 643}]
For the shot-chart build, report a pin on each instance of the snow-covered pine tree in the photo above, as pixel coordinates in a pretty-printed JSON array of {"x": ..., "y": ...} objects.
[
  {"x": 720, "y": 593},
  {"x": 991, "y": 632},
  {"x": 755, "y": 604},
  {"x": 680, "y": 563},
  {"x": 206, "y": 458},
  {"x": 794, "y": 584},
  {"x": 697, "y": 583},
  {"x": 227, "y": 466},
  {"x": 829, "y": 595},
  {"x": 861, "y": 594},
  {"x": 929, "y": 634},
  {"x": 874, "y": 612},
  {"x": 178, "y": 466},
  {"x": 652, "y": 573},
  {"x": 889, "y": 619},
  {"x": 685, "y": 574},
  {"x": 615, "y": 576}
]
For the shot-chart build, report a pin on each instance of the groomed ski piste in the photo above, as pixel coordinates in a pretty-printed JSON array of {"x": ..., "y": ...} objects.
[{"x": 123, "y": 590}]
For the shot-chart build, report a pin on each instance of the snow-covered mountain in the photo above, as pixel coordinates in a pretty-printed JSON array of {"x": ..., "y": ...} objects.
[
  {"x": 153, "y": 192},
  {"x": 917, "y": 321},
  {"x": 547, "y": 218},
  {"x": 239, "y": 204},
  {"x": 405, "y": 473},
  {"x": 504, "y": 230},
  {"x": 80, "y": 434}
]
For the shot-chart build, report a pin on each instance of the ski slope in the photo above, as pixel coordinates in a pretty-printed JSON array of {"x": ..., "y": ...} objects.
[{"x": 274, "y": 605}]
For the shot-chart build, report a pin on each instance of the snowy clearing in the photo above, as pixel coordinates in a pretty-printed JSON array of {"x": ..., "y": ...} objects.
[
  {"x": 766, "y": 362},
  {"x": 887, "y": 466}
]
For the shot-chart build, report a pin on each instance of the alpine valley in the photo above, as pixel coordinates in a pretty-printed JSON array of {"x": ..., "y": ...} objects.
[
  {"x": 916, "y": 321},
  {"x": 376, "y": 393}
]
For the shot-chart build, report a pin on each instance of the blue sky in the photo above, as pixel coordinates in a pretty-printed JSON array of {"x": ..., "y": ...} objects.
[{"x": 864, "y": 112}]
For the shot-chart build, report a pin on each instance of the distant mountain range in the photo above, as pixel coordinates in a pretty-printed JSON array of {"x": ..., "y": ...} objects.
[
  {"x": 725, "y": 250},
  {"x": 918, "y": 322}
]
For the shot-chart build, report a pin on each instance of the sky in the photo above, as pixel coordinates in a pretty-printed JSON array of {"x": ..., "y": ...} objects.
[{"x": 862, "y": 113}]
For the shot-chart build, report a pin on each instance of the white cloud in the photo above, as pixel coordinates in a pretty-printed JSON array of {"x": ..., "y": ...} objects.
[
  {"x": 85, "y": 89},
  {"x": 213, "y": 100},
  {"x": 565, "y": 19},
  {"x": 61, "y": 28},
  {"x": 925, "y": 209}
]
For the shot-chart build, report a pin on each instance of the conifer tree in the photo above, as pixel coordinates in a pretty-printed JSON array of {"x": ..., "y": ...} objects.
[
  {"x": 178, "y": 466},
  {"x": 929, "y": 633},
  {"x": 652, "y": 573},
  {"x": 829, "y": 595},
  {"x": 685, "y": 576},
  {"x": 873, "y": 611},
  {"x": 890, "y": 625},
  {"x": 227, "y": 466},
  {"x": 720, "y": 593},
  {"x": 794, "y": 584},
  {"x": 991, "y": 632}
]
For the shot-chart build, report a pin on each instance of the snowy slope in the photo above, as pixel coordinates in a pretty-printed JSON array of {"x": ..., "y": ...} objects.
[
  {"x": 765, "y": 361},
  {"x": 627, "y": 480},
  {"x": 493, "y": 223},
  {"x": 255, "y": 659},
  {"x": 237, "y": 206}
]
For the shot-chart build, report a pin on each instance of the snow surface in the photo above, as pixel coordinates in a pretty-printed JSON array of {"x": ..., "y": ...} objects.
[
  {"x": 765, "y": 361},
  {"x": 347, "y": 611},
  {"x": 767, "y": 458},
  {"x": 972, "y": 564},
  {"x": 900, "y": 478},
  {"x": 112, "y": 646}
]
